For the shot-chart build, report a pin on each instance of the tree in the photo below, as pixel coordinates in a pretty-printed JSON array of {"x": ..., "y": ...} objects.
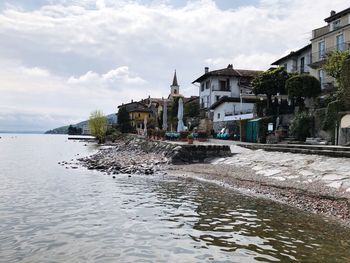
[
  {"x": 334, "y": 64},
  {"x": 98, "y": 125},
  {"x": 344, "y": 90},
  {"x": 270, "y": 83},
  {"x": 303, "y": 86},
  {"x": 124, "y": 120},
  {"x": 72, "y": 130},
  {"x": 337, "y": 66},
  {"x": 191, "y": 109}
]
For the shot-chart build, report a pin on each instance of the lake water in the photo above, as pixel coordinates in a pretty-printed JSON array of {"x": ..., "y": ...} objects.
[{"x": 52, "y": 214}]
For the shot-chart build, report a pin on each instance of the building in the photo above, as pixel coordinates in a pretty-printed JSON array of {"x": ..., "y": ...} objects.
[
  {"x": 138, "y": 114},
  {"x": 296, "y": 61},
  {"x": 331, "y": 37},
  {"x": 229, "y": 82},
  {"x": 152, "y": 108},
  {"x": 174, "y": 89},
  {"x": 229, "y": 109}
]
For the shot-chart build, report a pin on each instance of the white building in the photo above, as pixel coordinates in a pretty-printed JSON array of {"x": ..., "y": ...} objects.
[
  {"x": 229, "y": 109},
  {"x": 229, "y": 82},
  {"x": 296, "y": 61}
]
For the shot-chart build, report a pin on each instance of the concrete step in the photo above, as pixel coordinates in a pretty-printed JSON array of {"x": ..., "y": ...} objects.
[
  {"x": 332, "y": 152},
  {"x": 307, "y": 146}
]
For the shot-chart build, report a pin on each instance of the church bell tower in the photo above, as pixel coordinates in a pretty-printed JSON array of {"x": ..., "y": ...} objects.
[{"x": 175, "y": 88}]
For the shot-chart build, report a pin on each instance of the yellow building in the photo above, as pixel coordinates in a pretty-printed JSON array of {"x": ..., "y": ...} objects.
[
  {"x": 139, "y": 113},
  {"x": 334, "y": 36}
]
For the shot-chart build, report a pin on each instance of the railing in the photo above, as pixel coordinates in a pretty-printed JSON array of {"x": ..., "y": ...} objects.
[
  {"x": 320, "y": 31},
  {"x": 321, "y": 55},
  {"x": 237, "y": 112},
  {"x": 217, "y": 88}
]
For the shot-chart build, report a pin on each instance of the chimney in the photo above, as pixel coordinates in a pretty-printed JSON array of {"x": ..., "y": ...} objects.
[
  {"x": 333, "y": 13},
  {"x": 132, "y": 101},
  {"x": 230, "y": 66},
  {"x": 206, "y": 69}
]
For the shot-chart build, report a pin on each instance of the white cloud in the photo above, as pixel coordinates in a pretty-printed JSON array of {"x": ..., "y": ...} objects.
[
  {"x": 35, "y": 72},
  {"x": 66, "y": 51},
  {"x": 119, "y": 75}
]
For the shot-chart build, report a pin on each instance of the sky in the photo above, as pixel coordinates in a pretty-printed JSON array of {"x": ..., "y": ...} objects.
[{"x": 62, "y": 59}]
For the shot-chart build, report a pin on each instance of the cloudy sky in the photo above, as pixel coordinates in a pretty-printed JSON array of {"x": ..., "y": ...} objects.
[{"x": 61, "y": 59}]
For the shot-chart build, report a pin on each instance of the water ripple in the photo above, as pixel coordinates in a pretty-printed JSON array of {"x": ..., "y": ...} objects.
[{"x": 51, "y": 214}]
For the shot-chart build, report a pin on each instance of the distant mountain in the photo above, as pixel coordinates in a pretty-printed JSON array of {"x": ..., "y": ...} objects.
[{"x": 111, "y": 119}]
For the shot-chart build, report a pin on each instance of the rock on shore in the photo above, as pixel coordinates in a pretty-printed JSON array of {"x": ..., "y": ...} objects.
[{"x": 130, "y": 155}]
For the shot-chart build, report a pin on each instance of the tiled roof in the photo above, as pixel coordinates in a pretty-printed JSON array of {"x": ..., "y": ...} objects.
[
  {"x": 135, "y": 107},
  {"x": 190, "y": 99},
  {"x": 337, "y": 15},
  {"x": 292, "y": 54},
  {"x": 229, "y": 72}
]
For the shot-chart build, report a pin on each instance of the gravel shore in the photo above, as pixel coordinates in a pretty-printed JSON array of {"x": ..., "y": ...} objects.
[{"x": 316, "y": 199}]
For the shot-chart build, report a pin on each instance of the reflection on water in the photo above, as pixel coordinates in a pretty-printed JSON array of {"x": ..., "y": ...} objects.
[{"x": 49, "y": 213}]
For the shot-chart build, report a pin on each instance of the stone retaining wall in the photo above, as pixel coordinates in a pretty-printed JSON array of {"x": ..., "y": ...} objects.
[{"x": 198, "y": 153}]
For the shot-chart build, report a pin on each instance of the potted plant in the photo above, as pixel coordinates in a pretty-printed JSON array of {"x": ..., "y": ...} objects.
[
  {"x": 190, "y": 139},
  {"x": 183, "y": 135},
  {"x": 150, "y": 133},
  {"x": 162, "y": 135},
  {"x": 202, "y": 136}
]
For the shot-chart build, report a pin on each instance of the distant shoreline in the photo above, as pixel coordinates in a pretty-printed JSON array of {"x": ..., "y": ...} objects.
[{"x": 22, "y": 132}]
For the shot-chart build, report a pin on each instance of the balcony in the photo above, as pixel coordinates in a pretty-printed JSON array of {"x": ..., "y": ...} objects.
[
  {"x": 320, "y": 31},
  {"x": 221, "y": 88},
  {"x": 318, "y": 58}
]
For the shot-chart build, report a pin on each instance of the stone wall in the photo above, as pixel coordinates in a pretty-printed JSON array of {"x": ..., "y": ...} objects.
[{"x": 198, "y": 153}]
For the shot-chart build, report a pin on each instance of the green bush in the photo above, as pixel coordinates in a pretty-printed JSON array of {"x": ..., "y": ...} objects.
[
  {"x": 113, "y": 134},
  {"x": 202, "y": 135},
  {"x": 332, "y": 115},
  {"x": 150, "y": 132},
  {"x": 301, "y": 126},
  {"x": 161, "y": 133},
  {"x": 263, "y": 128},
  {"x": 303, "y": 86},
  {"x": 184, "y": 134}
]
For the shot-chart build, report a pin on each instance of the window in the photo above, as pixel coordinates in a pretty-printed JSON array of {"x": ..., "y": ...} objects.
[
  {"x": 321, "y": 50},
  {"x": 222, "y": 85},
  {"x": 139, "y": 115},
  {"x": 202, "y": 87},
  {"x": 207, "y": 84},
  {"x": 285, "y": 65},
  {"x": 218, "y": 115},
  {"x": 339, "y": 42},
  {"x": 336, "y": 24},
  {"x": 302, "y": 65},
  {"x": 149, "y": 115},
  {"x": 217, "y": 98},
  {"x": 175, "y": 91}
]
